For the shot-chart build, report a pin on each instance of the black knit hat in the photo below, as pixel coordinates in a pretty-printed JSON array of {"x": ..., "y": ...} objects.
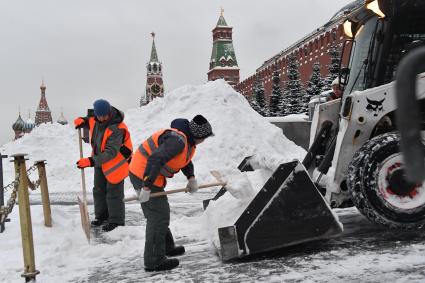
[{"x": 200, "y": 127}]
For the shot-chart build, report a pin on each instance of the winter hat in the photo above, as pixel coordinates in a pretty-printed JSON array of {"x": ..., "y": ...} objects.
[
  {"x": 200, "y": 127},
  {"x": 101, "y": 107}
]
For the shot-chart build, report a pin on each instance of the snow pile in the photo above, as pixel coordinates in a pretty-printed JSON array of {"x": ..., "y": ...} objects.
[
  {"x": 56, "y": 144},
  {"x": 239, "y": 132}
]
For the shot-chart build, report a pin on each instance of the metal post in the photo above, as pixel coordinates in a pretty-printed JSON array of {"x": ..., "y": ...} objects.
[
  {"x": 1, "y": 187},
  {"x": 41, "y": 166},
  {"x": 25, "y": 219}
]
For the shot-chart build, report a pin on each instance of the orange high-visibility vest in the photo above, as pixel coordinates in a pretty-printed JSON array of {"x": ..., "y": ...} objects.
[
  {"x": 116, "y": 169},
  {"x": 140, "y": 158}
]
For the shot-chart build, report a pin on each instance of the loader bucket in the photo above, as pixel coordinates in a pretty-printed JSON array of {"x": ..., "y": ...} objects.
[{"x": 288, "y": 210}]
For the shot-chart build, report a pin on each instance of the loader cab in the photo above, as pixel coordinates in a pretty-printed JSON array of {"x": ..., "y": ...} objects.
[{"x": 379, "y": 42}]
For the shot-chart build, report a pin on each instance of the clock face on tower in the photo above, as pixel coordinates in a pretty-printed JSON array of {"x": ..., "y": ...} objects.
[{"x": 155, "y": 89}]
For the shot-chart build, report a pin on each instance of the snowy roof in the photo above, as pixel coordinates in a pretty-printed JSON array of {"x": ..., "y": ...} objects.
[
  {"x": 222, "y": 50},
  {"x": 349, "y": 7}
]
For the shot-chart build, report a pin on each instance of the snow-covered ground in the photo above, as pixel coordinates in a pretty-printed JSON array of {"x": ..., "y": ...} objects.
[{"x": 363, "y": 253}]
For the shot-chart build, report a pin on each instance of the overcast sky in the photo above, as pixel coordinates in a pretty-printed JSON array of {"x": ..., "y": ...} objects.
[{"x": 89, "y": 49}]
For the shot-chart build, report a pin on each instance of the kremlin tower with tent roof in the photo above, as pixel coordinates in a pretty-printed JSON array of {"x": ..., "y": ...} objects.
[
  {"x": 154, "y": 81},
  {"x": 223, "y": 63}
]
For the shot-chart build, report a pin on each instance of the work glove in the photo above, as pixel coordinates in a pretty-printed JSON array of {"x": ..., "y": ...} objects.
[
  {"x": 192, "y": 185},
  {"x": 85, "y": 162},
  {"x": 79, "y": 122},
  {"x": 144, "y": 195}
]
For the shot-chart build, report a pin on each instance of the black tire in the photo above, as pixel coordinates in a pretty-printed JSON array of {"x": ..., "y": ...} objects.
[{"x": 378, "y": 187}]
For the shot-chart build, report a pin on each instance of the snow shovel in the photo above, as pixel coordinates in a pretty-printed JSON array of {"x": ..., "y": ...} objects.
[
  {"x": 186, "y": 190},
  {"x": 244, "y": 166},
  {"x": 85, "y": 221}
]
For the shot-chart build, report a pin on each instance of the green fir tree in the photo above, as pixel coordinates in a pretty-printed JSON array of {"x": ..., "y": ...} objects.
[
  {"x": 293, "y": 90},
  {"x": 260, "y": 99},
  {"x": 314, "y": 85},
  {"x": 276, "y": 97},
  {"x": 333, "y": 67}
]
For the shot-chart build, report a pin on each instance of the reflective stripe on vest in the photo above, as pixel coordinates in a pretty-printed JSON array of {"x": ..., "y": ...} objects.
[
  {"x": 139, "y": 161},
  {"x": 116, "y": 169},
  {"x": 167, "y": 171}
]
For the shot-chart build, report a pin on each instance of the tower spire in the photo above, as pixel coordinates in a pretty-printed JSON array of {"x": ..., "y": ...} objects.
[
  {"x": 221, "y": 21},
  {"x": 154, "y": 55},
  {"x": 154, "y": 82}
]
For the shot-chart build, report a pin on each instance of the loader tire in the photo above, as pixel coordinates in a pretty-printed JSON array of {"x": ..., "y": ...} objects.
[{"x": 378, "y": 186}]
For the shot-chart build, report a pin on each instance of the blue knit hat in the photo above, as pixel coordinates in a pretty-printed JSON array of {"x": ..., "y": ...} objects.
[{"x": 101, "y": 107}]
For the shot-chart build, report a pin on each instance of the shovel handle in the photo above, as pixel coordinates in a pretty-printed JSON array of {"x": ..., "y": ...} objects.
[
  {"x": 83, "y": 175},
  {"x": 152, "y": 195}
]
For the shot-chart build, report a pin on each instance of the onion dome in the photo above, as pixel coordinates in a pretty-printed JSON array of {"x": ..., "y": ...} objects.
[
  {"x": 62, "y": 120},
  {"x": 29, "y": 125},
  {"x": 19, "y": 125}
]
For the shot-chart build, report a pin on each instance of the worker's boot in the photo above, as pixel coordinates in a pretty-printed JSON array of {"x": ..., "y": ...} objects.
[
  {"x": 176, "y": 251},
  {"x": 110, "y": 226},
  {"x": 167, "y": 264},
  {"x": 97, "y": 222}
]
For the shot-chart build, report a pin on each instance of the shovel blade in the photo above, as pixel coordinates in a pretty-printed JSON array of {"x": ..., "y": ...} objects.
[{"x": 85, "y": 221}]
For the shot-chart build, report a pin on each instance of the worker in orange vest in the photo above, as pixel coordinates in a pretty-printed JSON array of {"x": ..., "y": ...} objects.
[
  {"x": 111, "y": 154},
  {"x": 159, "y": 157}
]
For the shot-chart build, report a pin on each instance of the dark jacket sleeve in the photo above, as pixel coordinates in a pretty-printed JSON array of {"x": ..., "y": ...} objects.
[
  {"x": 170, "y": 145},
  {"x": 112, "y": 147},
  {"x": 189, "y": 170}
]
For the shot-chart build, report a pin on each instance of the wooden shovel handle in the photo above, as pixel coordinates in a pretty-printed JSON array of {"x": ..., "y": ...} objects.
[
  {"x": 176, "y": 191},
  {"x": 83, "y": 176}
]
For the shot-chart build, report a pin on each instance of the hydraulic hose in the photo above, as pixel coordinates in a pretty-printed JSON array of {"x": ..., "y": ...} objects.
[{"x": 408, "y": 116}]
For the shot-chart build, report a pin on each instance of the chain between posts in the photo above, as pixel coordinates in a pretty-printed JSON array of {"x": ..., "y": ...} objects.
[
  {"x": 32, "y": 185},
  {"x": 6, "y": 210}
]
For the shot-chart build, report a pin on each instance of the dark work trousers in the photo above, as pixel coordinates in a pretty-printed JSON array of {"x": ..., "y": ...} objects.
[
  {"x": 108, "y": 199},
  {"x": 158, "y": 237}
]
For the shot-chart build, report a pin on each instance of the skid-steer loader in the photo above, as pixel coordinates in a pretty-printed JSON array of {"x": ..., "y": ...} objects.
[
  {"x": 354, "y": 156},
  {"x": 362, "y": 162}
]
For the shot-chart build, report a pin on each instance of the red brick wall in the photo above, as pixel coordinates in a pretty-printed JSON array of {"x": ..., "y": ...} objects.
[
  {"x": 312, "y": 49},
  {"x": 229, "y": 75}
]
